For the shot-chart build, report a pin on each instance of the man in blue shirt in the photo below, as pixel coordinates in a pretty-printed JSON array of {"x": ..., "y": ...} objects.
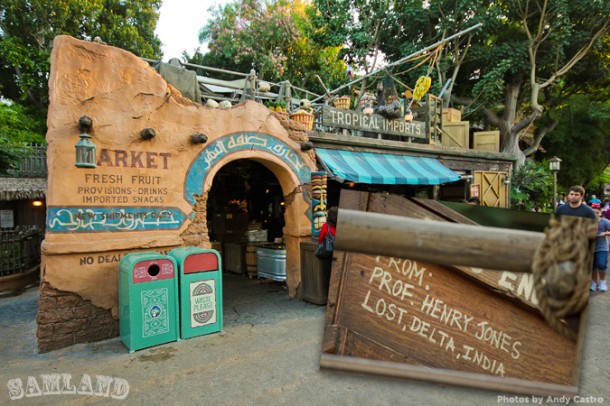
[{"x": 575, "y": 205}]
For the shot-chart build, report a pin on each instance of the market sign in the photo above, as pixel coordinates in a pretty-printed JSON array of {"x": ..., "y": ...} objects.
[
  {"x": 402, "y": 317},
  {"x": 374, "y": 123}
]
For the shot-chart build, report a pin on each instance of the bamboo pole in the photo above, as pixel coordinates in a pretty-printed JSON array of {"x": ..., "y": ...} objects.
[
  {"x": 406, "y": 58},
  {"x": 437, "y": 242}
]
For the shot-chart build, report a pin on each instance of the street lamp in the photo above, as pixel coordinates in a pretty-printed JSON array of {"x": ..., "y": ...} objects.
[
  {"x": 506, "y": 182},
  {"x": 554, "y": 164}
]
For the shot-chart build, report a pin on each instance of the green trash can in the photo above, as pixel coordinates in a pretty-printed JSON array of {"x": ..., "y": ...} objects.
[
  {"x": 200, "y": 289},
  {"x": 148, "y": 300}
]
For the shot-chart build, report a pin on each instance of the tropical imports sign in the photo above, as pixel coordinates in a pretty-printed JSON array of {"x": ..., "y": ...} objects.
[
  {"x": 374, "y": 123},
  {"x": 407, "y": 318}
]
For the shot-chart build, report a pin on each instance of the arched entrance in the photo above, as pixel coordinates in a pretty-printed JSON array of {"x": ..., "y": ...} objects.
[
  {"x": 281, "y": 160},
  {"x": 245, "y": 211}
]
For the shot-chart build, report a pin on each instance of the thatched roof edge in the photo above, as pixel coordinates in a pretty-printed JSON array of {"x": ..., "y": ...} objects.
[{"x": 22, "y": 188}]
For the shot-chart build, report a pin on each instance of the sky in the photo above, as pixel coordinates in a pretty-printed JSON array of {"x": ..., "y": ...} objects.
[{"x": 179, "y": 24}]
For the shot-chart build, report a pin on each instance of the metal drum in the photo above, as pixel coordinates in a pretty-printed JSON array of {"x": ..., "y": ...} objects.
[{"x": 271, "y": 261}]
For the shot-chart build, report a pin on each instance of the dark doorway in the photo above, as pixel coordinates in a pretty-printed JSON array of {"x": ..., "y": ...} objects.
[{"x": 245, "y": 195}]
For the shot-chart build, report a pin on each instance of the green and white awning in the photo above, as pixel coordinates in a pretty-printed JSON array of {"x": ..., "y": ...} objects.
[{"x": 385, "y": 169}]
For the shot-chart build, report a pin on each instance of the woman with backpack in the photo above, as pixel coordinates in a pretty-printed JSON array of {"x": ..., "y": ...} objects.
[{"x": 328, "y": 228}]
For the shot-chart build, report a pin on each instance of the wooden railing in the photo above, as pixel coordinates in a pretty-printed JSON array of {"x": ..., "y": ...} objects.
[
  {"x": 19, "y": 249},
  {"x": 33, "y": 164}
]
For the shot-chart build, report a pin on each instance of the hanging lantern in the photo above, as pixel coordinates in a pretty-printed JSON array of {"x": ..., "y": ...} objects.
[
  {"x": 85, "y": 152},
  {"x": 85, "y": 148}
]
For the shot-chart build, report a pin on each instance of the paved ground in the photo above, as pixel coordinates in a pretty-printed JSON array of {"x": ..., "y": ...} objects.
[{"x": 268, "y": 354}]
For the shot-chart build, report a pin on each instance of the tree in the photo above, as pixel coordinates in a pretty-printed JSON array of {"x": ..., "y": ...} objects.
[
  {"x": 17, "y": 130},
  {"x": 27, "y": 29},
  {"x": 581, "y": 132},
  {"x": 273, "y": 38},
  {"x": 359, "y": 27},
  {"x": 532, "y": 188},
  {"x": 354, "y": 25},
  {"x": 529, "y": 58},
  {"x": 508, "y": 74}
]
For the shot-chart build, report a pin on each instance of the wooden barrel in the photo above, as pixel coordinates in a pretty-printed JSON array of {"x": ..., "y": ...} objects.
[{"x": 251, "y": 259}]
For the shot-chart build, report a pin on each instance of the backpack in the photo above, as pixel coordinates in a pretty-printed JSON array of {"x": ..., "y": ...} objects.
[{"x": 326, "y": 247}]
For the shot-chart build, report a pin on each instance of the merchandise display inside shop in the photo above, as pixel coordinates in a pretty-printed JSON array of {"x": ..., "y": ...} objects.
[{"x": 245, "y": 214}]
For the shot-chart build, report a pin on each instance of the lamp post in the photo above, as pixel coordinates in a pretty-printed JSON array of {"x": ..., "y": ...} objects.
[
  {"x": 506, "y": 182},
  {"x": 554, "y": 164}
]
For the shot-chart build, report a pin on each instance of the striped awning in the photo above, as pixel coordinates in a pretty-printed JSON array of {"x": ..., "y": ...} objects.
[{"x": 385, "y": 169}]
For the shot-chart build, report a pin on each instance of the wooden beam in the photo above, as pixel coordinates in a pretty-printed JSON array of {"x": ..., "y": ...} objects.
[
  {"x": 436, "y": 242},
  {"x": 445, "y": 376}
]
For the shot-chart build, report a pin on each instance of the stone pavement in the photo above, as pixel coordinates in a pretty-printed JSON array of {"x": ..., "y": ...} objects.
[{"x": 267, "y": 354}]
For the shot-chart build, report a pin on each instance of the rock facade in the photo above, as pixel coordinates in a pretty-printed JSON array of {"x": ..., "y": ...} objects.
[{"x": 144, "y": 193}]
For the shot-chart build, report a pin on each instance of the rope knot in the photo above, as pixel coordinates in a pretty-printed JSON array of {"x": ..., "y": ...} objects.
[{"x": 562, "y": 267}]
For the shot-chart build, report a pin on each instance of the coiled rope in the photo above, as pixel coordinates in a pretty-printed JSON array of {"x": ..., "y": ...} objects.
[{"x": 562, "y": 270}]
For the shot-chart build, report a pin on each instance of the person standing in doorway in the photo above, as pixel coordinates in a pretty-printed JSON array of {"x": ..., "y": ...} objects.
[
  {"x": 330, "y": 227},
  {"x": 600, "y": 257},
  {"x": 575, "y": 205}
]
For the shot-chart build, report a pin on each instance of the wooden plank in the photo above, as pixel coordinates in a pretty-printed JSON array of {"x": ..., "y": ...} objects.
[
  {"x": 396, "y": 370},
  {"x": 402, "y": 317},
  {"x": 452, "y": 322},
  {"x": 439, "y": 242}
]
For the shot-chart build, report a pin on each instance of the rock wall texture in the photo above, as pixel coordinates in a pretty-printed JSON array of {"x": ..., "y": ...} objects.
[
  {"x": 65, "y": 318},
  {"x": 143, "y": 194}
]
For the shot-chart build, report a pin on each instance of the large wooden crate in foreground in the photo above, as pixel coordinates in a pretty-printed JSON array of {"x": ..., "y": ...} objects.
[{"x": 452, "y": 324}]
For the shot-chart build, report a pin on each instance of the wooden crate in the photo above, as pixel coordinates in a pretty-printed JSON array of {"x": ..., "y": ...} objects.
[
  {"x": 486, "y": 141},
  {"x": 452, "y": 115},
  {"x": 456, "y": 135}
]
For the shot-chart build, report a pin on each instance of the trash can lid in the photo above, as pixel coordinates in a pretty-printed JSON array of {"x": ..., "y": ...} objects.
[{"x": 129, "y": 261}]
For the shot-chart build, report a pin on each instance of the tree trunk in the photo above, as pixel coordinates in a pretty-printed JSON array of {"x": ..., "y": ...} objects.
[{"x": 510, "y": 130}]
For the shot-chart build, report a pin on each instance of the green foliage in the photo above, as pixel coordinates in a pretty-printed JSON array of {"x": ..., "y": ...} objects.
[
  {"x": 273, "y": 38},
  {"x": 490, "y": 88},
  {"x": 490, "y": 68},
  {"x": 596, "y": 186},
  {"x": 18, "y": 128},
  {"x": 352, "y": 24},
  {"x": 532, "y": 187},
  {"x": 27, "y": 29},
  {"x": 581, "y": 141}
]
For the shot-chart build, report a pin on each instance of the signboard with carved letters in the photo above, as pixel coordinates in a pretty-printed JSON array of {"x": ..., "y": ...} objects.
[
  {"x": 373, "y": 123},
  {"x": 460, "y": 325}
]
